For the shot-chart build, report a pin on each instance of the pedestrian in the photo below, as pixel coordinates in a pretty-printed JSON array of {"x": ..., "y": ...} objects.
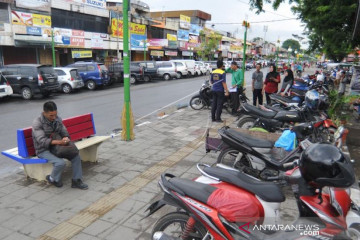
[
  {"x": 237, "y": 81},
  {"x": 271, "y": 83},
  {"x": 287, "y": 83},
  {"x": 342, "y": 82},
  {"x": 257, "y": 85},
  {"x": 218, "y": 81},
  {"x": 43, "y": 128}
]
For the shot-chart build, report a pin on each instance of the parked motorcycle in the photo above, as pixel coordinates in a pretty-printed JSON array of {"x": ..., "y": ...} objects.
[
  {"x": 225, "y": 204},
  {"x": 204, "y": 98}
]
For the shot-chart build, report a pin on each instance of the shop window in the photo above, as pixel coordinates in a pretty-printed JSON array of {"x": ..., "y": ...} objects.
[{"x": 4, "y": 14}]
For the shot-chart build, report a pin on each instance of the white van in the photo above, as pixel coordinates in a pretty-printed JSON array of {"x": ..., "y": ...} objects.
[
  {"x": 181, "y": 68},
  {"x": 191, "y": 66}
]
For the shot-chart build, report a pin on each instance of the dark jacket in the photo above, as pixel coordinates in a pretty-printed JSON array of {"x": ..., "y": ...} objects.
[{"x": 42, "y": 130}]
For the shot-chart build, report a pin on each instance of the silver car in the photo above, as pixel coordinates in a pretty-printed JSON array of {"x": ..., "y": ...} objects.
[
  {"x": 203, "y": 69},
  {"x": 181, "y": 68},
  {"x": 69, "y": 79},
  {"x": 166, "y": 70}
]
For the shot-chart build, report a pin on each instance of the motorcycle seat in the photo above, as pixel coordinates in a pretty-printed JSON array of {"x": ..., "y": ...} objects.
[
  {"x": 252, "y": 110},
  {"x": 248, "y": 139},
  {"x": 196, "y": 190},
  {"x": 267, "y": 191},
  {"x": 281, "y": 98}
]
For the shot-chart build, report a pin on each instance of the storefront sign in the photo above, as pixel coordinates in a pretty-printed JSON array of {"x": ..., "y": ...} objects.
[
  {"x": 41, "y": 20},
  {"x": 185, "y": 22},
  {"x": 97, "y": 43},
  {"x": 171, "y": 53},
  {"x": 195, "y": 29},
  {"x": 171, "y": 37},
  {"x": 92, "y": 3},
  {"x": 236, "y": 48},
  {"x": 187, "y": 53},
  {"x": 40, "y": 5},
  {"x": 193, "y": 39},
  {"x": 81, "y": 53},
  {"x": 117, "y": 28},
  {"x": 172, "y": 44},
  {"x": 29, "y": 19},
  {"x": 157, "y": 53},
  {"x": 33, "y": 31},
  {"x": 69, "y": 37},
  {"x": 155, "y": 42},
  {"x": 77, "y": 42},
  {"x": 138, "y": 42},
  {"x": 183, "y": 35}
]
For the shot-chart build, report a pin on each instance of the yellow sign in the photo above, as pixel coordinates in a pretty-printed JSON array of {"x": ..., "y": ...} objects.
[
  {"x": 171, "y": 37},
  {"x": 235, "y": 48},
  {"x": 41, "y": 20},
  {"x": 81, "y": 53},
  {"x": 117, "y": 28},
  {"x": 185, "y": 22}
]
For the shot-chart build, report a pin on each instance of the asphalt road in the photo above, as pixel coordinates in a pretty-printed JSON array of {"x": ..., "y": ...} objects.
[{"x": 106, "y": 104}]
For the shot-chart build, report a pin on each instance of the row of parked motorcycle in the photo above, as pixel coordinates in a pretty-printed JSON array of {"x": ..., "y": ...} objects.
[{"x": 240, "y": 196}]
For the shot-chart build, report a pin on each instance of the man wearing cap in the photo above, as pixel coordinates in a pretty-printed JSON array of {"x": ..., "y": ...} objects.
[{"x": 237, "y": 82}]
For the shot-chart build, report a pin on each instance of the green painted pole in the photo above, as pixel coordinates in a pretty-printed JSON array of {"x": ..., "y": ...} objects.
[
  {"x": 144, "y": 50},
  {"x": 246, "y": 24},
  {"x": 126, "y": 67},
  {"x": 53, "y": 48}
]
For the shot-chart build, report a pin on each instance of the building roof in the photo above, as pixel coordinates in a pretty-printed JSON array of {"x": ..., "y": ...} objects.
[{"x": 176, "y": 14}]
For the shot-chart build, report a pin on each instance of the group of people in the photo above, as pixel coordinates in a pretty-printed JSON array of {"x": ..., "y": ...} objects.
[
  {"x": 341, "y": 79},
  {"x": 259, "y": 86}
]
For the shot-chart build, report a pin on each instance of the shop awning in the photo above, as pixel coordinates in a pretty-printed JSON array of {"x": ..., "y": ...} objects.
[{"x": 32, "y": 43}]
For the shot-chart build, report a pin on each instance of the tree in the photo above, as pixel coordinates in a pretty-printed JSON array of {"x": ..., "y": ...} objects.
[
  {"x": 210, "y": 42},
  {"x": 329, "y": 24},
  {"x": 294, "y": 44}
]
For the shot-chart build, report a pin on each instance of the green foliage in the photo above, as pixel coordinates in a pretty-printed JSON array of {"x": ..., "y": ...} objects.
[
  {"x": 329, "y": 24},
  {"x": 294, "y": 44},
  {"x": 339, "y": 108},
  {"x": 209, "y": 44}
]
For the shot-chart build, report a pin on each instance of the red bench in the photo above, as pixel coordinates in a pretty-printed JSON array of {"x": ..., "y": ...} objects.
[{"x": 82, "y": 132}]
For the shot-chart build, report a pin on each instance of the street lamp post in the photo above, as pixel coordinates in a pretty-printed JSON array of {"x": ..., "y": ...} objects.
[
  {"x": 246, "y": 24},
  {"x": 289, "y": 52}
]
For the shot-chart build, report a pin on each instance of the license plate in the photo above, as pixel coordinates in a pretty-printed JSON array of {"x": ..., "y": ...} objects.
[
  {"x": 2, "y": 89},
  {"x": 51, "y": 80}
]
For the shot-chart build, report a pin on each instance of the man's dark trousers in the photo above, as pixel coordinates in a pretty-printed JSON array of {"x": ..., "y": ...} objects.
[
  {"x": 217, "y": 105},
  {"x": 257, "y": 94}
]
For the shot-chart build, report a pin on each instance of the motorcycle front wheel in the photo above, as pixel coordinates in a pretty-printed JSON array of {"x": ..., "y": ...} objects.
[
  {"x": 173, "y": 224},
  {"x": 197, "y": 103},
  {"x": 246, "y": 123}
]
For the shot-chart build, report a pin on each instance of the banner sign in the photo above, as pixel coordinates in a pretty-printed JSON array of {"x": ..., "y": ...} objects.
[
  {"x": 33, "y": 31},
  {"x": 185, "y": 22},
  {"x": 187, "y": 53},
  {"x": 173, "y": 44},
  {"x": 183, "y": 35},
  {"x": 69, "y": 37},
  {"x": 138, "y": 42},
  {"x": 157, "y": 53},
  {"x": 81, "y": 53},
  {"x": 171, "y": 53},
  {"x": 195, "y": 29},
  {"x": 92, "y": 3},
  {"x": 40, "y": 5},
  {"x": 97, "y": 43},
  {"x": 155, "y": 42},
  {"x": 29, "y": 19},
  {"x": 117, "y": 28},
  {"x": 171, "y": 37},
  {"x": 193, "y": 39}
]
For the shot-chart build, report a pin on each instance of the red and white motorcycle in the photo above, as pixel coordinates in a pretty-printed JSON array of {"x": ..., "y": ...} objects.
[{"x": 224, "y": 203}]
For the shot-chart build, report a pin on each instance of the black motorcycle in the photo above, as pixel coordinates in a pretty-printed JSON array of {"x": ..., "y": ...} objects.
[{"x": 204, "y": 98}]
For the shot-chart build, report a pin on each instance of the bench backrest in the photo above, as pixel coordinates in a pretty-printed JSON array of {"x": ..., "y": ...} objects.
[{"x": 79, "y": 127}]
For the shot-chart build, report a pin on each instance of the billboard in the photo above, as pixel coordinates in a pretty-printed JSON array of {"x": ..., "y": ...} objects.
[
  {"x": 30, "y": 19},
  {"x": 138, "y": 42},
  {"x": 171, "y": 37},
  {"x": 183, "y": 35},
  {"x": 155, "y": 42},
  {"x": 40, "y": 5},
  {"x": 184, "y": 22},
  {"x": 193, "y": 39},
  {"x": 195, "y": 29},
  {"x": 81, "y": 53},
  {"x": 117, "y": 28},
  {"x": 92, "y": 3},
  {"x": 69, "y": 37}
]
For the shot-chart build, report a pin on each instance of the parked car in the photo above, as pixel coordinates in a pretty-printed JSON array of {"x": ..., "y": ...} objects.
[
  {"x": 69, "y": 79},
  {"x": 92, "y": 73},
  {"x": 190, "y": 64},
  {"x": 208, "y": 67},
  {"x": 5, "y": 88},
  {"x": 116, "y": 72},
  {"x": 31, "y": 79},
  {"x": 181, "y": 68},
  {"x": 203, "y": 68},
  {"x": 197, "y": 70},
  {"x": 213, "y": 64},
  {"x": 149, "y": 70},
  {"x": 166, "y": 70}
]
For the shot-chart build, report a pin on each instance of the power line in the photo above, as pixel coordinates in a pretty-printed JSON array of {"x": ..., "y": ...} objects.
[{"x": 277, "y": 20}]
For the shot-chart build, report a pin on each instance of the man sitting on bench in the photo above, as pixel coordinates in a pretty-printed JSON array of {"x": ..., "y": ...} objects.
[{"x": 43, "y": 127}]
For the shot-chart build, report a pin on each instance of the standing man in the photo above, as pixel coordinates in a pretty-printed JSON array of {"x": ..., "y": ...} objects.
[
  {"x": 43, "y": 128},
  {"x": 218, "y": 81},
  {"x": 237, "y": 81},
  {"x": 257, "y": 85}
]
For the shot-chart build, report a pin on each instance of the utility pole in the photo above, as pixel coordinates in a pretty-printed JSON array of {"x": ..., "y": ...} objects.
[
  {"x": 53, "y": 48},
  {"x": 246, "y": 24},
  {"x": 127, "y": 117}
]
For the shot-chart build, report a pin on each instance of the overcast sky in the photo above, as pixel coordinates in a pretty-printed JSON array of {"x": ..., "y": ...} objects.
[{"x": 235, "y": 11}]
